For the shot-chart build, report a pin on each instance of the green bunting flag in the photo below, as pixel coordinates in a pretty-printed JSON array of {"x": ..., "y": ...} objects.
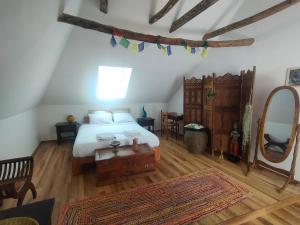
[{"x": 124, "y": 42}]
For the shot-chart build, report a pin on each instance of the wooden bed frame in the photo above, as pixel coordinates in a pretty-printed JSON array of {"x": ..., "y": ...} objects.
[{"x": 77, "y": 162}]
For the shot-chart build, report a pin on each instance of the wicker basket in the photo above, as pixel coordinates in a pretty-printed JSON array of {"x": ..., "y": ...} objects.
[{"x": 19, "y": 221}]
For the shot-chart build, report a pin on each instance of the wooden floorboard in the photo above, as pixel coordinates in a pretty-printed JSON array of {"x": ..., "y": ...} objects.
[{"x": 52, "y": 177}]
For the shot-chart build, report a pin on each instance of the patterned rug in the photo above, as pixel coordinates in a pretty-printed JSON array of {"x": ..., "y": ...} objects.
[{"x": 175, "y": 201}]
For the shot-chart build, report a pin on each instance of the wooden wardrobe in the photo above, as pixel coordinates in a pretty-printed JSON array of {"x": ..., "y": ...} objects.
[{"x": 222, "y": 103}]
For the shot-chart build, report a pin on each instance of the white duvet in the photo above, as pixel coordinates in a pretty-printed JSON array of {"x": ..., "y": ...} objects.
[{"x": 86, "y": 141}]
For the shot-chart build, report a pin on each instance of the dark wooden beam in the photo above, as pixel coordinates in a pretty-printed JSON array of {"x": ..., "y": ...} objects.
[
  {"x": 103, "y": 6},
  {"x": 92, "y": 25},
  {"x": 199, "y": 8},
  {"x": 252, "y": 19},
  {"x": 170, "y": 4}
]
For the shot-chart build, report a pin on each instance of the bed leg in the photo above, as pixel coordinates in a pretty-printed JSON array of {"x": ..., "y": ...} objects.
[{"x": 76, "y": 167}]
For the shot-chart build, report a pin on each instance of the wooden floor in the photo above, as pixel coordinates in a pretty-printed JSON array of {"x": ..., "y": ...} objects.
[{"x": 52, "y": 177}]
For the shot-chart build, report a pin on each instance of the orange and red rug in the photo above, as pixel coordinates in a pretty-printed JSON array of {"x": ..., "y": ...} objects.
[{"x": 175, "y": 201}]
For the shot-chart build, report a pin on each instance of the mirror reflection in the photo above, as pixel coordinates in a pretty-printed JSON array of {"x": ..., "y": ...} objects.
[{"x": 279, "y": 123}]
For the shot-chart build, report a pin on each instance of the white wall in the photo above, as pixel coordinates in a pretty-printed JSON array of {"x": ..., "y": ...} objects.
[
  {"x": 18, "y": 135},
  {"x": 31, "y": 41},
  {"x": 49, "y": 115}
]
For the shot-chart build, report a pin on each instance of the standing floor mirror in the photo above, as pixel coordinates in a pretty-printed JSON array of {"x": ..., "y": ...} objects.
[{"x": 278, "y": 132}]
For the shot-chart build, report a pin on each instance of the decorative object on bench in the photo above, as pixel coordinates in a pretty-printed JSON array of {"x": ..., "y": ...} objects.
[
  {"x": 70, "y": 119},
  {"x": 127, "y": 160},
  {"x": 146, "y": 122},
  {"x": 180, "y": 200},
  {"x": 15, "y": 180},
  {"x": 66, "y": 131},
  {"x": 115, "y": 145},
  {"x": 279, "y": 121},
  {"x": 39, "y": 211},
  {"x": 195, "y": 138}
]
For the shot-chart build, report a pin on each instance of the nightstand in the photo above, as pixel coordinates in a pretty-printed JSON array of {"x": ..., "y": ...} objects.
[
  {"x": 66, "y": 131},
  {"x": 146, "y": 122}
]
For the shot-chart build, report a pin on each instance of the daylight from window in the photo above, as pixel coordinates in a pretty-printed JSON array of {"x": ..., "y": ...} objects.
[{"x": 113, "y": 82}]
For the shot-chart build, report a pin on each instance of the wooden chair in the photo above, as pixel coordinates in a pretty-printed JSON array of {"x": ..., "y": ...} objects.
[
  {"x": 15, "y": 179},
  {"x": 166, "y": 124}
]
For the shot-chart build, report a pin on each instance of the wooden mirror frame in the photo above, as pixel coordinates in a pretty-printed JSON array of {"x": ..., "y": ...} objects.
[
  {"x": 266, "y": 155},
  {"x": 296, "y": 137}
]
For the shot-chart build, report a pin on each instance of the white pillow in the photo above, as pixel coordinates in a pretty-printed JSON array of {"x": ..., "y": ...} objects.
[
  {"x": 123, "y": 117},
  {"x": 100, "y": 118}
]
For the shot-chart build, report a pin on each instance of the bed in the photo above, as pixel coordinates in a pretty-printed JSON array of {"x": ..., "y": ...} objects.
[{"x": 86, "y": 141}]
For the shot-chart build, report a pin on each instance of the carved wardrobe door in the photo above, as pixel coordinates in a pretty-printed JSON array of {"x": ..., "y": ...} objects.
[
  {"x": 208, "y": 102},
  {"x": 192, "y": 101},
  {"x": 226, "y": 109}
]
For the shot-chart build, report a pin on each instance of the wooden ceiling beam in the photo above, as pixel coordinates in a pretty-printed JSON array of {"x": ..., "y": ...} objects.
[
  {"x": 103, "y": 6},
  {"x": 92, "y": 25},
  {"x": 252, "y": 19},
  {"x": 199, "y": 8},
  {"x": 170, "y": 4}
]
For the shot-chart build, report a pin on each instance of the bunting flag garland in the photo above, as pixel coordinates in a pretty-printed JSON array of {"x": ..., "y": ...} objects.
[
  {"x": 124, "y": 42},
  {"x": 113, "y": 41},
  {"x": 166, "y": 50}
]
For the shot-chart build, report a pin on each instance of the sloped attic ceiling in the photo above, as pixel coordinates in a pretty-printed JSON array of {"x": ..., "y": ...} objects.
[
  {"x": 155, "y": 77},
  {"x": 31, "y": 42}
]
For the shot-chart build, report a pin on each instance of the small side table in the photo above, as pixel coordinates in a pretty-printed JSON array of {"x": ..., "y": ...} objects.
[
  {"x": 66, "y": 131},
  {"x": 146, "y": 122}
]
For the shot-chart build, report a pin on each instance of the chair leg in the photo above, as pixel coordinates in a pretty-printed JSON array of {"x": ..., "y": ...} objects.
[
  {"x": 21, "y": 199},
  {"x": 33, "y": 190}
]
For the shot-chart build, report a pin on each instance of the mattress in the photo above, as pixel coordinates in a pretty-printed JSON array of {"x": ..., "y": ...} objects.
[{"x": 86, "y": 141}]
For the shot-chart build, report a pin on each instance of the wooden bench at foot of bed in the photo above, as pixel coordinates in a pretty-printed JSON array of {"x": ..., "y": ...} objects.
[{"x": 77, "y": 162}]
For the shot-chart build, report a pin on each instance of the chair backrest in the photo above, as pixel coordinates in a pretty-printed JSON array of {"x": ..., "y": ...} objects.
[{"x": 16, "y": 169}]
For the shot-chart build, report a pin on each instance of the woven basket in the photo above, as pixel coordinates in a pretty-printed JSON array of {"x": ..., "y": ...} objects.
[{"x": 19, "y": 221}]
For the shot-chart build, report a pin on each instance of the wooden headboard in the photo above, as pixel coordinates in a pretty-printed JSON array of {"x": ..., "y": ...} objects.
[{"x": 86, "y": 119}]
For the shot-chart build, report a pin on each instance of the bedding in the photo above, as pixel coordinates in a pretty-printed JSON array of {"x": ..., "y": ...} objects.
[
  {"x": 100, "y": 117},
  {"x": 86, "y": 141},
  {"x": 122, "y": 117}
]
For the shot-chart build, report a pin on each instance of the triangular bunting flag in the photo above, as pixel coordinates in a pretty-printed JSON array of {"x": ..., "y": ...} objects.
[
  {"x": 113, "y": 41},
  {"x": 164, "y": 50},
  {"x": 204, "y": 52},
  {"x": 124, "y": 42},
  {"x": 141, "y": 46},
  {"x": 189, "y": 49},
  {"x": 158, "y": 45},
  {"x": 134, "y": 47},
  {"x": 169, "y": 51}
]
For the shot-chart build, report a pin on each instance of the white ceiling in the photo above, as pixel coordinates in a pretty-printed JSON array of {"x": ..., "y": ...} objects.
[{"x": 41, "y": 62}]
